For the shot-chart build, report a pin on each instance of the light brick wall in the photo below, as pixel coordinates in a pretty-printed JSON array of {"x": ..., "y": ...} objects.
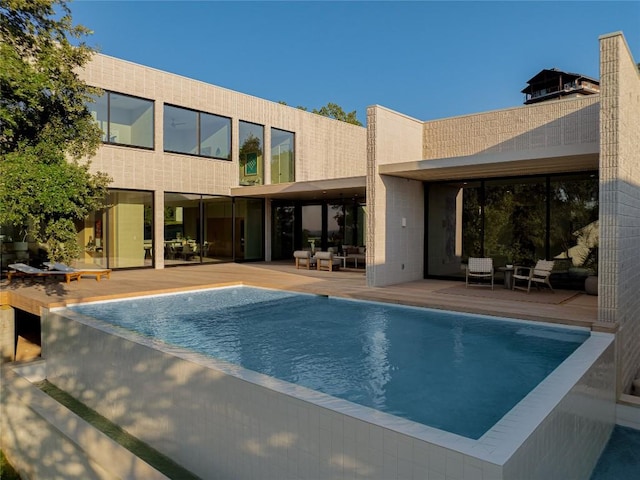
[
  {"x": 569, "y": 122},
  {"x": 395, "y": 253},
  {"x": 324, "y": 149},
  {"x": 619, "y": 268}
]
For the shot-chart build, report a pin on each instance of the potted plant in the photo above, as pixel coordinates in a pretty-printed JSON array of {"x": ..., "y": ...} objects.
[
  {"x": 591, "y": 262},
  {"x": 22, "y": 245}
]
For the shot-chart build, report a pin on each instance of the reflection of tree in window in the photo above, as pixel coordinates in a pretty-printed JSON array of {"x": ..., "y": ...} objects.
[
  {"x": 250, "y": 153},
  {"x": 515, "y": 222},
  {"x": 574, "y": 219},
  {"x": 472, "y": 223}
]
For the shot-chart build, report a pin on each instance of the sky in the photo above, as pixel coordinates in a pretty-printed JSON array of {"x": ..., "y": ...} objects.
[{"x": 425, "y": 59}]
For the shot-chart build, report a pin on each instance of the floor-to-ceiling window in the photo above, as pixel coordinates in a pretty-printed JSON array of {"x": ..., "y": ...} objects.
[
  {"x": 515, "y": 222},
  {"x": 512, "y": 220},
  {"x": 316, "y": 226},
  {"x": 574, "y": 233},
  {"x": 121, "y": 235},
  {"x": 208, "y": 229},
  {"x": 312, "y": 227},
  {"x": 218, "y": 229},
  {"x": 181, "y": 228},
  {"x": 249, "y": 229},
  {"x": 282, "y": 230},
  {"x": 335, "y": 225}
]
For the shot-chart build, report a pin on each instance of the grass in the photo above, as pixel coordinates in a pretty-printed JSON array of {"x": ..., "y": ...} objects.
[{"x": 7, "y": 472}]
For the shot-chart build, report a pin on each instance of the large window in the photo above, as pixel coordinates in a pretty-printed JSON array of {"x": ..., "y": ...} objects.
[
  {"x": 251, "y": 154},
  {"x": 123, "y": 119},
  {"x": 317, "y": 226},
  {"x": 574, "y": 233},
  {"x": 196, "y": 133},
  {"x": 249, "y": 229},
  {"x": 514, "y": 221},
  {"x": 202, "y": 229},
  {"x": 121, "y": 235},
  {"x": 283, "y": 231},
  {"x": 181, "y": 228},
  {"x": 282, "y": 156}
]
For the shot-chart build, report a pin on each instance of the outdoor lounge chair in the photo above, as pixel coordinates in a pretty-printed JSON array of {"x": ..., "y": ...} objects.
[
  {"x": 538, "y": 275},
  {"x": 327, "y": 260},
  {"x": 304, "y": 259},
  {"x": 480, "y": 269},
  {"x": 27, "y": 271},
  {"x": 61, "y": 267}
]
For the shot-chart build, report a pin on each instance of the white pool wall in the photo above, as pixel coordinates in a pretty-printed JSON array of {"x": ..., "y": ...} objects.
[
  {"x": 220, "y": 420},
  {"x": 44, "y": 440}
]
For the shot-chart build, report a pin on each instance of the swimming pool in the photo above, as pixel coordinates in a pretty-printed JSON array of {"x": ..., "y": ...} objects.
[
  {"x": 219, "y": 419},
  {"x": 415, "y": 363}
]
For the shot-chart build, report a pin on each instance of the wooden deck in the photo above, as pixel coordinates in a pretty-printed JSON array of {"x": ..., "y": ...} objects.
[{"x": 566, "y": 307}]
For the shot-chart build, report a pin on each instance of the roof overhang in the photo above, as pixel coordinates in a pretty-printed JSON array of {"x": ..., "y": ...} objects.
[
  {"x": 331, "y": 189},
  {"x": 503, "y": 164}
]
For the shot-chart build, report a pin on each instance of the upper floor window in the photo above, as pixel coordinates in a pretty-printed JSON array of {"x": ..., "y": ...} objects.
[
  {"x": 282, "y": 156},
  {"x": 196, "y": 133},
  {"x": 124, "y": 120},
  {"x": 251, "y": 138}
]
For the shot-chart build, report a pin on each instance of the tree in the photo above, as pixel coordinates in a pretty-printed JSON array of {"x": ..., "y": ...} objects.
[
  {"x": 46, "y": 131},
  {"x": 333, "y": 110}
]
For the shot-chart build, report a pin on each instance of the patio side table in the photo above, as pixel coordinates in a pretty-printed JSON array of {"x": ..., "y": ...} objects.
[{"x": 508, "y": 276}]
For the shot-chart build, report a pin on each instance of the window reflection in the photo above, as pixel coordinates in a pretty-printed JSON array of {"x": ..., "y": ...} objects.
[
  {"x": 180, "y": 130},
  {"x": 215, "y": 134},
  {"x": 515, "y": 221},
  {"x": 123, "y": 119},
  {"x": 251, "y": 154},
  {"x": 282, "y": 156},
  {"x": 196, "y": 133}
]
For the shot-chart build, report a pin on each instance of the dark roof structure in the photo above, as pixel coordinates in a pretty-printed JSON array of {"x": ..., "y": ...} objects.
[{"x": 553, "y": 83}]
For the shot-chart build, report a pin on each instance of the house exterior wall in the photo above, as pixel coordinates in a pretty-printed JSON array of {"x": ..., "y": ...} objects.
[
  {"x": 324, "y": 148},
  {"x": 395, "y": 250},
  {"x": 563, "y": 123},
  {"x": 619, "y": 260}
]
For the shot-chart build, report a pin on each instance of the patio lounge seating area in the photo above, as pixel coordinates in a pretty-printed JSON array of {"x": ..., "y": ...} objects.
[
  {"x": 61, "y": 267},
  {"x": 27, "y": 271}
]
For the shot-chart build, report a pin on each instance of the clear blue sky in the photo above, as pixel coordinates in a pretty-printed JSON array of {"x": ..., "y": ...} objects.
[{"x": 425, "y": 59}]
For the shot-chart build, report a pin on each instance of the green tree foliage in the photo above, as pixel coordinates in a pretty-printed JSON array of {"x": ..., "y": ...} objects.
[
  {"x": 333, "y": 110},
  {"x": 46, "y": 131}
]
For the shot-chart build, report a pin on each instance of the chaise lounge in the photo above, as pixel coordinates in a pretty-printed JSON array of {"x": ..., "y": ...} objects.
[
  {"x": 27, "y": 271},
  {"x": 61, "y": 267}
]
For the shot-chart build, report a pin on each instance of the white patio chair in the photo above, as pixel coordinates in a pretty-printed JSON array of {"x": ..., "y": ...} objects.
[
  {"x": 538, "y": 275},
  {"x": 480, "y": 269}
]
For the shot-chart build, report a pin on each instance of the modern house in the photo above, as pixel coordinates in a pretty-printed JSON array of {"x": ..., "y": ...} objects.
[{"x": 204, "y": 174}]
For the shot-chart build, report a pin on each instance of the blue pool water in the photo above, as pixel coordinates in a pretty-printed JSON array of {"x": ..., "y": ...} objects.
[{"x": 456, "y": 372}]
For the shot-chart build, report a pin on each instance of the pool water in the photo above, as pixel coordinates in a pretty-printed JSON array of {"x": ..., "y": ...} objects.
[{"x": 456, "y": 372}]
